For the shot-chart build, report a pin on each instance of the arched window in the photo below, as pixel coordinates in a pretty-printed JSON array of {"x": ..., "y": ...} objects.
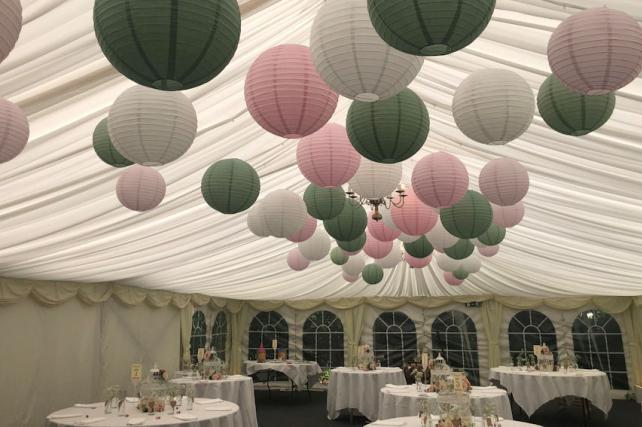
[
  {"x": 323, "y": 339},
  {"x": 198, "y": 337},
  {"x": 597, "y": 342},
  {"x": 219, "y": 334},
  {"x": 528, "y": 328},
  {"x": 266, "y": 326},
  {"x": 395, "y": 338},
  {"x": 455, "y": 336}
]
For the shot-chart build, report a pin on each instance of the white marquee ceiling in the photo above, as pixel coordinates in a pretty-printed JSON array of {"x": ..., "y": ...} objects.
[{"x": 61, "y": 220}]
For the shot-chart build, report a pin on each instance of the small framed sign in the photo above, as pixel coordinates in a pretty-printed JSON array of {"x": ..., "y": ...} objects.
[
  {"x": 537, "y": 350},
  {"x": 136, "y": 373}
]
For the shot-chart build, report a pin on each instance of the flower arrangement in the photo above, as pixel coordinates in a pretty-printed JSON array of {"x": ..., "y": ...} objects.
[
  {"x": 365, "y": 358},
  {"x": 324, "y": 377}
]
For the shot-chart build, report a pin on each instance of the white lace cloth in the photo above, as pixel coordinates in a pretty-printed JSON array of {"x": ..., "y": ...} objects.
[
  {"x": 301, "y": 373},
  {"x": 235, "y": 388},
  {"x": 395, "y": 402},
  {"x": 414, "y": 422},
  {"x": 533, "y": 389},
  {"x": 350, "y": 388}
]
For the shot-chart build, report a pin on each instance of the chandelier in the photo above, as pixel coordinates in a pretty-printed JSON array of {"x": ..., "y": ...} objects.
[{"x": 387, "y": 202}]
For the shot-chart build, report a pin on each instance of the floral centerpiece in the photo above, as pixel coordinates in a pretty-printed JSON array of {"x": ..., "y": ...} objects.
[
  {"x": 365, "y": 358},
  {"x": 153, "y": 391},
  {"x": 212, "y": 367},
  {"x": 324, "y": 377}
]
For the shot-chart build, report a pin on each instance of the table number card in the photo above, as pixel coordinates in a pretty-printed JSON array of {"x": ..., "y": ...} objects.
[
  {"x": 136, "y": 373},
  {"x": 201, "y": 353}
]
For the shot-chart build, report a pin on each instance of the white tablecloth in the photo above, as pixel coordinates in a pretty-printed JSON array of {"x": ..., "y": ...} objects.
[
  {"x": 301, "y": 373},
  {"x": 533, "y": 389},
  {"x": 206, "y": 418},
  {"x": 235, "y": 388},
  {"x": 414, "y": 422},
  {"x": 404, "y": 402},
  {"x": 350, "y": 388}
]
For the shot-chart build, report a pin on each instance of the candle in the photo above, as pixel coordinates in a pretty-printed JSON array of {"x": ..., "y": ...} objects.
[
  {"x": 424, "y": 360},
  {"x": 274, "y": 344}
]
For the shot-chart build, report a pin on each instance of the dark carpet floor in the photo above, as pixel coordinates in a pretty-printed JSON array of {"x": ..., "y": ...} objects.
[{"x": 293, "y": 410}]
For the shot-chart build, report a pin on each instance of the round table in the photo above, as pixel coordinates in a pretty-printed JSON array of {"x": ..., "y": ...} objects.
[
  {"x": 414, "y": 422},
  {"x": 205, "y": 417},
  {"x": 300, "y": 373},
  {"x": 352, "y": 388},
  {"x": 234, "y": 388},
  {"x": 404, "y": 401},
  {"x": 532, "y": 389}
]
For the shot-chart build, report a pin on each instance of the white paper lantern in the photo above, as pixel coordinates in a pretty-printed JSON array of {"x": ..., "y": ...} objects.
[
  {"x": 140, "y": 188},
  {"x": 351, "y": 57},
  {"x": 354, "y": 265},
  {"x": 508, "y": 216},
  {"x": 14, "y": 129},
  {"x": 256, "y": 221},
  {"x": 446, "y": 263},
  {"x": 493, "y": 106},
  {"x": 10, "y": 25},
  {"x": 376, "y": 180},
  {"x": 284, "y": 212},
  {"x": 504, "y": 181},
  {"x": 316, "y": 247},
  {"x": 440, "y": 238},
  {"x": 392, "y": 259},
  {"x": 406, "y": 238},
  {"x": 471, "y": 264},
  {"x": 152, "y": 127}
]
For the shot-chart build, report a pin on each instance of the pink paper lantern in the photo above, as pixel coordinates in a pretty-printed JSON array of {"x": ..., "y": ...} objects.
[
  {"x": 376, "y": 248},
  {"x": 14, "y": 130},
  {"x": 417, "y": 262},
  {"x": 508, "y": 216},
  {"x": 378, "y": 230},
  {"x": 349, "y": 278},
  {"x": 285, "y": 94},
  {"x": 304, "y": 232},
  {"x": 140, "y": 188},
  {"x": 504, "y": 181},
  {"x": 488, "y": 251},
  {"x": 414, "y": 217},
  {"x": 296, "y": 261},
  {"x": 326, "y": 158},
  {"x": 452, "y": 280},
  {"x": 596, "y": 51},
  {"x": 440, "y": 180}
]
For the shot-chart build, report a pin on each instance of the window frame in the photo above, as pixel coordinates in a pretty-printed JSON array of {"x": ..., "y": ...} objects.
[
  {"x": 282, "y": 336},
  {"x": 219, "y": 330},
  {"x": 552, "y": 345},
  {"x": 469, "y": 346},
  {"x": 197, "y": 341},
  {"x": 408, "y": 337},
  {"x": 311, "y": 327}
]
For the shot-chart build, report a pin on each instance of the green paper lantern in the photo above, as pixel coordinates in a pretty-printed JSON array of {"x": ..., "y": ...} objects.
[
  {"x": 230, "y": 186},
  {"x": 105, "y": 149},
  {"x": 349, "y": 224},
  {"x": 572, "y": 113},
  {"x": 338, "y": 256},
  {"x": 419, "y": 248},
  {"x": 353, "y": 245},
  {"x": 430, "y": 27},
  {"x": 469, "y": 217},
  {"x": 324, "y": 203},
  {"x": 460, "y": 274},
  {"x": 493, "y": 236},
  {"x": 372, "y": 274},
  {"x": 168, "y": 44},
  {"x": 460, "y": 250},
  {"x": 391, "y": 130}
]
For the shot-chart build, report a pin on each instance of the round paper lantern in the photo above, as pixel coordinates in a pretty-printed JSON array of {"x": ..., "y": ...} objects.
[
  {"x": 596, "y": 51},
  {"x": 451, "y": 279},
  {"x": 14, "y": 127},
  {"x": 324, "y": 203},
  {"x": 316, "y": 247},
  {"x": 105, "y": 149},
  {"x": 446, "y": 263},
  {"x": 417, "y": 262},
  {"x": 461, "y": 249},
  {"x": 407, "y": 238},
  {"x": 440, "y": 180},
  {"x": 230, "y": 186},
  {"x": 338, "y": 256},
  {"x": 570, "y": 112},
  {"x": 305, "y": 232},
  {"x": 349, "y": 278},
  {"x": 326, "y": 158},
  {"x": 372, "y": 274},
  {"x": 352, "y": 58},
  {"x": 10, "y": 25},
  {"x": 285, "y": 94},
  {"x": 353, "y": 246},
  {"x": 391, "y": 130},
  {"x": 430, "y": 27},
  {"x": 354, "y": 265},
  {"x": 504, "y": 181},
  {"x": 469, "y": 217},
  {"x": 414, "y": 217},
  {"x": 284, "y": 213},
  {"x": 488, "y": 251},
  {"x": 420, "y": 248},
  {"x": 256, "y": 221},
  {"x": 349, "y": 224},
  {"x": 439, "y": 237},
  {"x": 472, "y": 264},
  {"x": 508, "y": 216},
  {"x": 378, "y": 230},
  {"x": 376, "y": 180},
  {"x": 140, "y": 188},
  {"x": 493, "y": 236},
  {"x": 392, "y": 259},
  {"x": 376, "y": 248},
  {"x": 168, "y": 45},
  {"x": 460, "y": 274},
  {"x": 493, "y": 106},
  {"x": 296, "y": 261},
  {"x": 151, "y": 127}
]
